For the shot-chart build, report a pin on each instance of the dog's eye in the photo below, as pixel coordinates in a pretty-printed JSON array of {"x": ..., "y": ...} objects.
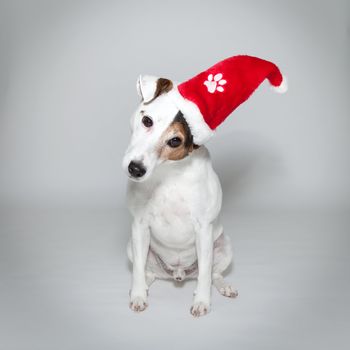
[
  {"x": 147, "y": 121},
  {"x": 174, "y": 142}
]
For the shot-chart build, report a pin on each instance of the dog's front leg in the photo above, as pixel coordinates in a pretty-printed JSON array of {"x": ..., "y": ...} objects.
[
  {"x": 204, "y": 247},
  {"x": 140, "y": 247}
]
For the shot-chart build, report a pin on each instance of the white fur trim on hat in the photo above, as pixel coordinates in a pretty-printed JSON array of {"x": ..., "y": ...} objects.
[
  {"x": 281, "y": 88},
  {"x": 200, "y": 129}
]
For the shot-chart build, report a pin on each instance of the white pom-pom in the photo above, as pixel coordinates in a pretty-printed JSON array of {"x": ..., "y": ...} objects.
[{"x": 282, "y": 88}]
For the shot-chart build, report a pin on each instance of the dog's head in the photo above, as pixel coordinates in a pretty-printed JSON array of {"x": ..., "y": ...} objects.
[{"x": 159, "y": 130}]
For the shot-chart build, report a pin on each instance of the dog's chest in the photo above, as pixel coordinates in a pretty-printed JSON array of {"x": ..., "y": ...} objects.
[{"x": 169, "y": 210}]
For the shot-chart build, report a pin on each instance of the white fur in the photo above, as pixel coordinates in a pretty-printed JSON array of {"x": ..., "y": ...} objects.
[
  {"x": 146, "y": 87},
  {"x": 283, "y": 87},
  {"x": 175, "y": 208}
]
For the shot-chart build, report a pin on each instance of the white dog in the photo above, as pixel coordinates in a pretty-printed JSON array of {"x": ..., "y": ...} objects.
[
  {"x": 175, "y": 197},
  {"x": 174, "y": 194}
]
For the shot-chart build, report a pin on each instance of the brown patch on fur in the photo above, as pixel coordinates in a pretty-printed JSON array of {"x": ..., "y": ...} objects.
[
  {"x": 178, "y": 128},
  {"x": 163, "y": 86}
]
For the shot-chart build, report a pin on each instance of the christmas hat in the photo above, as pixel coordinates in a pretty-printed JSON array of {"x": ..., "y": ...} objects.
[{"x": 210, "y": 97}]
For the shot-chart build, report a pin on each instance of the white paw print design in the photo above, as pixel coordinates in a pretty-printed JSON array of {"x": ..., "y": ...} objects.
[{"x": 214, "y": 83}]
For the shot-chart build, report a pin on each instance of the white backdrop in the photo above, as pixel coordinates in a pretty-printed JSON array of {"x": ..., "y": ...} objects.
[{"x": 67, "y": 89}]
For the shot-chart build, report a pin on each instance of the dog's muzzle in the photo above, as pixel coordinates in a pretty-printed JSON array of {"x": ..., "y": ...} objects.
[{"x": 136, "y": 169}]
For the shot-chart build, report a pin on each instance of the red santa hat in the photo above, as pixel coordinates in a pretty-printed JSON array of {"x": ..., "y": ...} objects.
[{"x": 210, "y": 97}]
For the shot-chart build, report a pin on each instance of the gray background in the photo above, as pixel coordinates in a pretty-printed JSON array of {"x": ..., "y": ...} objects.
[{"x": 67, "y": 90}]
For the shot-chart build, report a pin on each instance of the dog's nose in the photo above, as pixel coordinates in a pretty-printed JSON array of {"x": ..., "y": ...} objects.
[{"x": 136, "y": 169}]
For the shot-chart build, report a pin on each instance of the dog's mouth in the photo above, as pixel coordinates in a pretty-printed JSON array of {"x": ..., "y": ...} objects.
[{"x": 136, "y": 179}]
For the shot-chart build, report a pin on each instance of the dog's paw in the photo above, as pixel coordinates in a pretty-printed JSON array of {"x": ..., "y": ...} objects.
[
  {"x": 228, "y": 291},
  {"x": 138, "y": 304},
  {"x": 200, "y": 309}
]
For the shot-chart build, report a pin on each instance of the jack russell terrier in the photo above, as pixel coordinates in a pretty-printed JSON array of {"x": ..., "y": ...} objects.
[{"x": 174, "y": 194}]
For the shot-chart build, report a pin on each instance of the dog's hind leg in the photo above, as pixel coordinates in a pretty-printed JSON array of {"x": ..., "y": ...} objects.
[
  {"x": 222, "y": 287},
  {"x": 150, "y": 278},
  {"x": 222, "y": 259}
]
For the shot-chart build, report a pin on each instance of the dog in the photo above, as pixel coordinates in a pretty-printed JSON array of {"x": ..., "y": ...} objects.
[{"x": 174, "y": 196}]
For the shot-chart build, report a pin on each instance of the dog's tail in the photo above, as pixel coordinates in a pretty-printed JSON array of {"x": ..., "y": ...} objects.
[{"x": 179, "y": 275}]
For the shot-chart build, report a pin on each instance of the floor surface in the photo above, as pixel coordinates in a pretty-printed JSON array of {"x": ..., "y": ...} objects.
[{"x": 65, "y": 282}]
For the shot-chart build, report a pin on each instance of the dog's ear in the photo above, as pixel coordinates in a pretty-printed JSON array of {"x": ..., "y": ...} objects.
[
  {"x": 146, "y": 87},
  {"x": 150, "y": 87}
]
